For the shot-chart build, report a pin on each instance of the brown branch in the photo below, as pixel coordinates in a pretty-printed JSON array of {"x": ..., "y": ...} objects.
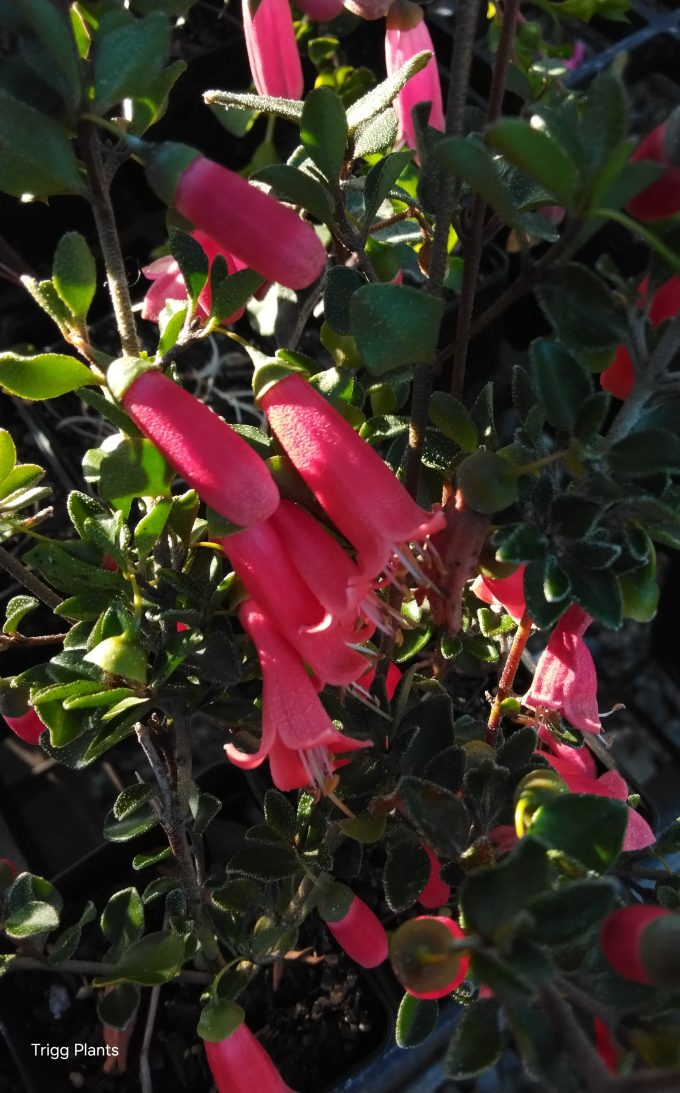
[
  {"x": 24, "y": 576},
  {"x": 507, "y": 679},
  {"x": 92, "y": 968},
  {"x": 584, "y": 1057}
]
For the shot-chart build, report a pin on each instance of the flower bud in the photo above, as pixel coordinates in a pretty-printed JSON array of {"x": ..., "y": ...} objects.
[
  {"x": 358, "y": 931},
  {"x": 642, "y": 943},
  {"x": 423, "y": 958},
  {"x": 239, "y": 1064},
  {"x": 119, "y": 656}
]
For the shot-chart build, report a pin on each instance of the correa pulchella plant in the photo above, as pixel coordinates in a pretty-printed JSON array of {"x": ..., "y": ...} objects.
[{"x": 375, "y": 544}]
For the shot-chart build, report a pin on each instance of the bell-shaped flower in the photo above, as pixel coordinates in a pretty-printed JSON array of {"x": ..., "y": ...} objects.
[
  {"x": 619, "y": 378},
  {"x": 662, "y": 197},
  {"x": 436, "y": 892},
  {"x": 361, "y": 934},
  {"x": 565, "y": 678},
  {"x": 213, "y": 459},
  {"x": 507, "y": 591},
  {"x": 577, "y": 760},
  {"x": 407, "y": 34},
  {"x": 638, "y": 833},
  {"x": 169, "y": 284},
  {"x": 358, "y": 491},
  {"x": 240, "y": 1064},
  {"x": 298, "y": 736},
  {"x": 272, "y": 50},
  {"x": 264, "y": 563}
]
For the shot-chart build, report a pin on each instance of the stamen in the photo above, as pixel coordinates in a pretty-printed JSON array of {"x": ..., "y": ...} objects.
[
  {"x": 411, "y": 566},
  {"x": 317, "y": 764}
]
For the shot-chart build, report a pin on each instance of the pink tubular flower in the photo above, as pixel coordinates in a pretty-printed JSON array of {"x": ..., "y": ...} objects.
[
  {"x": 565, "y": 677},
  {"x": 507, "y": 591},
  {"x": 577, "y": 760},
  {"x": 435, "y": 893},
  {"x": 392, "y": 678},
  {"x": 240, "y": 1064},
  {"x": 168, "y": 283},
  {"x": 214, "y": 460},
  {"x": 358, "y": 491},
  {"x": 622, "y": 936},
  {"x": 360, "y": 933},
  {"x": 298, "y": 736},
  {"x": 264, "y": 565},
  {"x": 619, "y": 378},
  {"x": 463, "y": 962},
  {"x": 610, "y": 784},
  {"x": 243, "y": 221},
  {"x": 28, "y": 726},
  {"x": 407, "y": 34},
  {"x": 272, "y": 49},
  {"x": 321, "y": 10},
  {"x": 662, "y": 197}
]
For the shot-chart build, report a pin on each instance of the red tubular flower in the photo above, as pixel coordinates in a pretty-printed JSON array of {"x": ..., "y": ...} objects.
[
  {"x": 565, "y": 678},
  {"x": 272, "y": 49},
  {"x": 359, "y": 492},
  {"x": 223, "y": 469},
  {"x": 662, "y": 197},
  {"x": 242, "y": 220},
  {"x": 407, "y": 34},
  {"x": 264, "y": 565},
  {"x": 240, "y": 1064},
  {"x": 422, "y": 963},
  {"x": 298, "y": 736},
  {"x": 507, "y": 591},
  {"x": 392, "y": 678},
  {"x": 168, "y": 283},
  {"x": 622, "y": 939},
  {"x": 360, "y": 933},
  {"x": 604, "y": 1046},
  {"x": 619, "y": 378},
  {"x": 435, "y": 893},
  {"x": 27, "y": 726}
]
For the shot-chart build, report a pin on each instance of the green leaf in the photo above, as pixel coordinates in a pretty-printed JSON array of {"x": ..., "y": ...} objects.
[
  {"x": 476, "y": 1043},
  {"x": 230, "y": 294},
  {"x": 37, "y": 156},
  {"x": 438, "y": 815},
  {"x": 192, "y": 261},
  {"x": 468, "y": 159},
  {"x": 52, "y": 26},
  {"x": 491, "y": 897},
  {"x": 298, "y": 188},
  {"x": 561, "y": 384},
  {"x": 323, "y": 132},
  {"x": 376, "y": 135},
  {"x": 279, "y": 814},
  {"x": 645, "y": 452},
  {"x": 598, "y": 593},
  {"x": 117, "y": 1007},
  {"x": 150, "y": 109},
  {"x": 17, "y": 608},
  {"x": 265, "y": 862},
  {"x": 219, "y": 1018},
  {"x": 207, "y": 809},
  {"x": 74, "y": 273},
  {"x": 540, "y": 1048},
  {"x": 538, "y": 155},
  {"x": 568, "y": 913},
  {"x": 604, "y": 121},
  {"x": 135, "y": 468},
  {"x": 131, "y": 799},
  {"x": 581, "y": 310},
  {"x": 155, "y": 958},
  {"x": 33, "y": 917},
  {"x": 407, "y": 871},
  {"x": 128, "y": 58},
  {"x": 341, "y": 285},
  {"x": 122, "y": 919},
  {"x": 139, "y": 821},
  {"x": 380, "y": 180},
  {"x": 8, "y": 456},
  {"x": 488, "y": 482},
  {"x": 453, "y": 420},
  {"x": 66, "y": 944},
  {"x": 416, "y": 1019},
  {"x": 364, "y": 827},
  {"x": 375, "y": 101},
  {"x": 394, "y": 326},
  {"x": 290, "y": 109},
  {"x": 151, "y": 527},
  {"x": 588, "y": 829},
  {"x": 44, "y": 376}
]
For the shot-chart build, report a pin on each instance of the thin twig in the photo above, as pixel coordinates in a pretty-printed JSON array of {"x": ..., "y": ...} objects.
[
  {"x": 144, "y": 1068},
  {"x": 507, "y": 679},
  {"x": 24, "y": 576},
  {"x": 584, "y": 1057},
  {"x": 92, "y": 968},
  {"x": 108, "y": 238},
  {"x": 9, "y": 640}
]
